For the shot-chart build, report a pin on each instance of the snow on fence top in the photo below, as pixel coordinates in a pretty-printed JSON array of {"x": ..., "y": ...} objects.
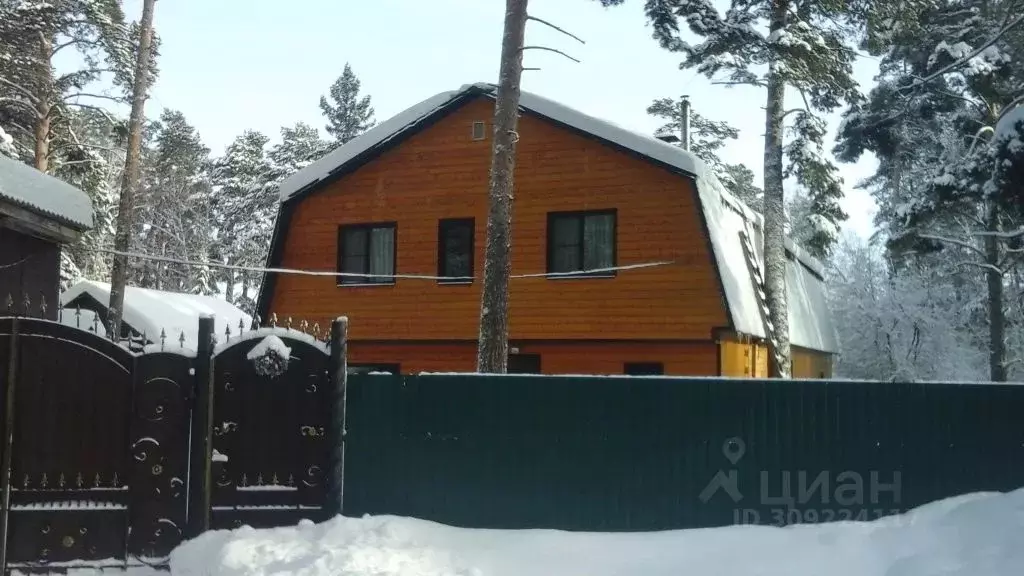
[
  {"x": 726, "y": 216},
  {"x": 150, "y": 311},
  {"x": 24, "y": 185}
]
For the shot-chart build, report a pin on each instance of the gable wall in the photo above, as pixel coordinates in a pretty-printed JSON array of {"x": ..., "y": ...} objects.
[{"x": 441, "y": 173}]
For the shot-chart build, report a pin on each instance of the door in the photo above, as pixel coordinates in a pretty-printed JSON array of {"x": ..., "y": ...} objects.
[{"x": 524, "y": 364}]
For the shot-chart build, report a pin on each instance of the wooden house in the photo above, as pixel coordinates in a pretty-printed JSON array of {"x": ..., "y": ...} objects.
[
  {"x": 38, "y": 214},
  {"x": 628, "y": 256}
]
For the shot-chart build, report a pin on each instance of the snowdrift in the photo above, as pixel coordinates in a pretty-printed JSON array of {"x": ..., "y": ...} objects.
[{"x": 973, "y": 535}]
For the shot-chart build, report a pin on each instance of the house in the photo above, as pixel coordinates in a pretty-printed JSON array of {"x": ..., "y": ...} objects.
[
  {"x": 671, "y": 261},
  {"x": 150, "y": 313},
  {"x": 38, "y": 214}
]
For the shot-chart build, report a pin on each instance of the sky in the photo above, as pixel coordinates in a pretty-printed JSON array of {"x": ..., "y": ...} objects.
[{"x": 233, "y": 65}]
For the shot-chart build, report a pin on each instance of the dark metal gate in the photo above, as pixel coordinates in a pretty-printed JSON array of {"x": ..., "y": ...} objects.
[
  {"x": 271, "y": 414},
  {"x": 96, "y": 448}
]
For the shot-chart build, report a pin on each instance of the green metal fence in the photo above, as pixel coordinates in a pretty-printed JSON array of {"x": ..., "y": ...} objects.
[{"x": 612, "y": 454}]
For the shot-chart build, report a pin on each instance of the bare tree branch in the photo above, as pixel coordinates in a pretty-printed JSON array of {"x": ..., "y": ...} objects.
[
  {"x": 954, "y": 242},
  {"x": 97, "y": 96},
  {"x": 555, "y": 50},
  {"x": 546, "y": 23}
]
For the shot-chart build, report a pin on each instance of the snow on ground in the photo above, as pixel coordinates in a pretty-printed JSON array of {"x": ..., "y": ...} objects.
[{"x": 974, "y": 535}]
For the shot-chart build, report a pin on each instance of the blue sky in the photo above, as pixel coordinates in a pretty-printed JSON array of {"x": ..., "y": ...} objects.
[{"x": 232, "y": 65}]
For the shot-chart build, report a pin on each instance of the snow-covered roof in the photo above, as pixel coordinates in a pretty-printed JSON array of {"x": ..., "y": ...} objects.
[
  {"x": 150, "y": 311},
  {"x": 29, "y": 188},
  {"x": 810, "y": 320}
]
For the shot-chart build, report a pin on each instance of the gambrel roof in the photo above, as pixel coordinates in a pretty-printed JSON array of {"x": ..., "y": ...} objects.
[{"x": 726, "y": 216}]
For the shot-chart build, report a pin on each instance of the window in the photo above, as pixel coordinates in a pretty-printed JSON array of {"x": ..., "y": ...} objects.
[
  {"x": 581, "y": 241},
  {"x": 455, "y": 250},
  {"x": 644, "y": 369},
  {"x": 366, "y": 249},
  {"x": 395, "y": 369},
  {"x": 523, "y": 364},
  {"x": 479, "y": 130}
]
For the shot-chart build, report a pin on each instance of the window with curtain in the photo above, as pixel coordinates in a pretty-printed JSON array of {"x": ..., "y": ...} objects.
[
  {"x": 366, "y": 249},
  {"x": 582, "y": 242},
  {"x": 455, "y": 250}
]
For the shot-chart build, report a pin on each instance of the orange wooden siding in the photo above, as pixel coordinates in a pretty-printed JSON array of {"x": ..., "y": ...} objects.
[
  {"x": 442, "y": 173},
  {"x": 811, "y": 364},
  {"x": 681, "y": 359}
]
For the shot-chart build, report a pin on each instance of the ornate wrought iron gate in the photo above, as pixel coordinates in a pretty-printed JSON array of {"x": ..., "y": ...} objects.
[
  {"x": 94, "y": 458},
  {"x": 113, "y": 457}
]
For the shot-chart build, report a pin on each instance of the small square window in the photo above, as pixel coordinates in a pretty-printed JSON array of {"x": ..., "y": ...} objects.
[
  {"x": 644, "y": 369},
  {"x": 479, "y": 130},
  {"x": 366, "y": 253},
  {"x": 581, "y": 242},
  {"x": 455, "y": 250}
]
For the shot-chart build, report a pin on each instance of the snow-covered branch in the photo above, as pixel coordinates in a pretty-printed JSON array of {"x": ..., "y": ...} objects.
[
  {"x": 954, "y": 242},
  {"x": 965, "y": 59}
]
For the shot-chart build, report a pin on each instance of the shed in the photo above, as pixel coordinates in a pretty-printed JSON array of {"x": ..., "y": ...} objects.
[
  {"x": 150, "y": 312},
  {"x": 38, "y": 214}
]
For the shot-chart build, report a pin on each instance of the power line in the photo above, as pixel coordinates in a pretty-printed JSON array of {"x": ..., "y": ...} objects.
[{"x": 328, "y": 273}]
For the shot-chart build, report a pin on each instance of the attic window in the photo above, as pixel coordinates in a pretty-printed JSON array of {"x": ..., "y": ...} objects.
[{"x": 479, "y": 130}]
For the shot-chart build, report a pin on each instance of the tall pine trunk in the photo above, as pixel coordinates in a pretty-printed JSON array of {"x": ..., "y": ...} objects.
[
  {"x": 774, "y": 212},
  {"x": 996, "y": 308},
  {"x": 44, "y": 108},
  {"x": 130, "y": 177},
  {"x": 492, "y": 352}
]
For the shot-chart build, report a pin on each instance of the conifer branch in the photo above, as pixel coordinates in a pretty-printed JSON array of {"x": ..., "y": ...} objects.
[
  {"x": 555, "y": 50},
  {"x": 31, "y": 97},
  {"x": 549, "y": 24},
  {"x": 953, "y": 66}
]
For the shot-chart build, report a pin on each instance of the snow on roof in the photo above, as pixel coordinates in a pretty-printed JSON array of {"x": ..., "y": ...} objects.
[
  {"x": 150, "y": 311},
  {"x": 810, "y": 319},
  {"x": 975, "y": 534},
  {"x": 24, "y": 185}
]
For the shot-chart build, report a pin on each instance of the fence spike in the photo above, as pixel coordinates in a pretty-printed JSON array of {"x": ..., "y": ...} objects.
[
  {"x": 316, "y": 330},
  {"x": 273, "y": 320},
  {"x": 26, "y": 302},
  {"x": 256, "y": 321},
  {"x": 95, "y": 323},
  {"x": 303, "y": 326},
  {"x": 79, "y": 480},
  {"x": 78, "y": 316},
  {"x": 97, "y": 481},
  {"x": 25, "y": 482},
  {"x": 163, "y": 339},
  {"x": 288, "y": 323},
  {"x": 227, "y": 332},
  {"x": 10, "y": 302},
  {"x": 42, "y": 304},
  {"x": 142, "y": 341},
  {"x": 241, "y": 326},
  {"x": 181, "y": 339}
]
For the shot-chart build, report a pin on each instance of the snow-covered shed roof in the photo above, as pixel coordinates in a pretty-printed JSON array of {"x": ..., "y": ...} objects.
[
  {"x": 809, "y": 317},
  {"x": 150, "y": 311},
  {"x": 35, "y": 191}
]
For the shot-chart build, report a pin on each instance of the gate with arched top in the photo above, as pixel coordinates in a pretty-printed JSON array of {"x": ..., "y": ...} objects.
[{"x": 96, "y": 452}]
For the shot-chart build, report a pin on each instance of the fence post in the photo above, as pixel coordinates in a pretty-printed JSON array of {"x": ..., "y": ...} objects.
[
  {"x": 8, "y": 445},
  {"x": 338, "y": 373},
  {"x": 202, "y": 424}
]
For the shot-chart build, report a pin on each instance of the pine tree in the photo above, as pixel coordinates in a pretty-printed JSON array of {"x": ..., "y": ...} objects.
[
  {"x": 348, "y": 115},
  {"x": 707, "y": 138},
  {"x": 802, "y": 45},
  {"x": 141, "y": 78},
  {"x": 245, "y": 201},
  {"x": 175, "y": 208},
  {"x": 35, "y": 102},
  {"x": 300, "y": 146},
  {"x": 950, "y": 173}
]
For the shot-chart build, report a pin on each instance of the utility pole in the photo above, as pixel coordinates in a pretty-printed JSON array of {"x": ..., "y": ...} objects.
[{"x": 684, "y": 122}]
